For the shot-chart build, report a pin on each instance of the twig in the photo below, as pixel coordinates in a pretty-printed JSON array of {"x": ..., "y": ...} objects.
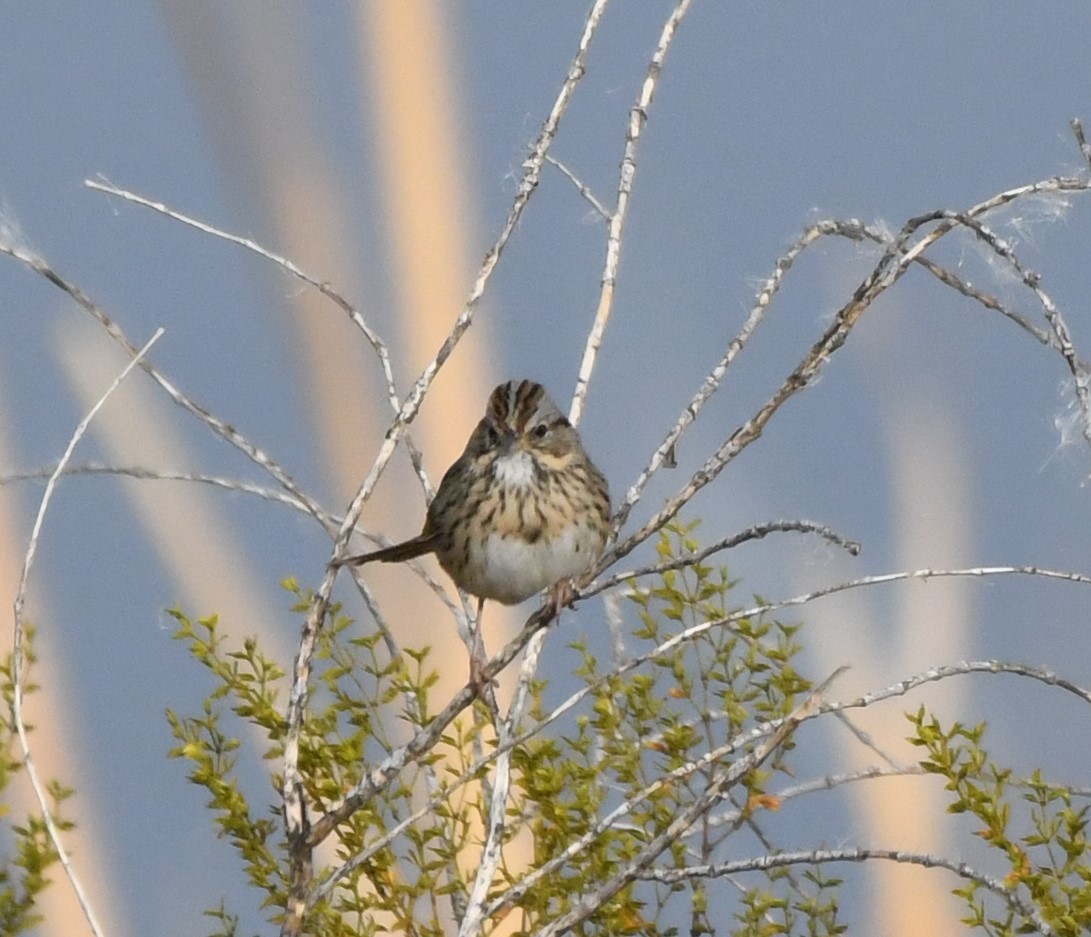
[
  {"x": 638, "y": 116},
  {"x": 340, "y": 811},
  {"x": 323, "y": 286},
  {"x": 1077, "y": 129},
  {"x": 380, "y": 777},
  {"x": 18, "y": 652},
  {"x": 501, "y": 789},
  {"x": 757, "y": 532},
  {"x": 823, "y": 856},
  {"x": 327, "y": 521},
  {"x": 866, "y": 739},
  {"x": 955, "y": 282},
  {"x": 935, "y": 674},
  {"x": 825, "y": 783},
  {"x": 852, "y": 229},
  {"x": 637, "y": 866},
  {"x": 222, "y": 429},
  {"x": 694, "y": 631},
  {"x": 580, "y": 187},
  {"x": 1079, "y": 370},
  {"x": 149, "y": 474}
]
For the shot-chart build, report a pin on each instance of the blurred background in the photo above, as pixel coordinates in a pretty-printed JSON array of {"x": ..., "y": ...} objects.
[{"x": 378, "y": 146}]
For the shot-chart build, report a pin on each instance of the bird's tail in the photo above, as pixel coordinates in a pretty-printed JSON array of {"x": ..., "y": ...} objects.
[{"x": 398, "y": 553}]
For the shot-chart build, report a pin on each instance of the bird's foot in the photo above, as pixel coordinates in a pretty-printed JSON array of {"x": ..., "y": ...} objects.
[
  {"x": 562, "y": 595},
  {"x": 484, "y": 686}
]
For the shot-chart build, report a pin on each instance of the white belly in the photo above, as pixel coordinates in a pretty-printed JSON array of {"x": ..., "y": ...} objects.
[{"x": 511, "y": 570}]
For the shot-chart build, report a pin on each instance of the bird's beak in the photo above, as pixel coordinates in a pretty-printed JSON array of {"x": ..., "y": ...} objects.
[{"x": 508, "y": 442}]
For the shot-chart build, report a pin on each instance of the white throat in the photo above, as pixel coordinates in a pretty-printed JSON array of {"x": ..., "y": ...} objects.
[{"x": 515, "y": 470}]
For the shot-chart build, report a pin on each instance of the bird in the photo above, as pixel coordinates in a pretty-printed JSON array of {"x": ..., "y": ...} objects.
[{"x": 522, "y": 509}]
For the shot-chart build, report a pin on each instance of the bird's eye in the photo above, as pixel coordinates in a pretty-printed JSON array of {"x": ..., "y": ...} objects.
[
  {"x": 540, "y": 431},
  {"x": 492, "y": 437}
]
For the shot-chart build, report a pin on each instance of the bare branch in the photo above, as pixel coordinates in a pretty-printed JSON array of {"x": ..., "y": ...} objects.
[
  {"x": 949, "y": 278},
  {"x": 823, "y": 856},
  {"x": 1077, "y": 129},
  {"x": 1079, "y": 369},
  {"x": 897, "y": 257},
  {"x": 149, "y": 474},
  {"x": 584, "y": 191},
  {"x": 19, "y": 651},
  {"x": 852, "y": 229},
  {"x": 501, "y": 788},
  {"x": 935, "y": 674},
  {"x": 222, "y": 429},
  {"x": 323, "y": 286},
  {"x": 828, "y": 782},
  {"x": 866, "y": 739},
  {"x": 757, "y": 532},
  {"x": 638, "y": 117}
]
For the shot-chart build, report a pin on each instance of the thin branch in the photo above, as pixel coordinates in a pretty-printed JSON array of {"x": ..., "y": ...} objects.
[
  {"x": 855, "y": 230},
  {"x": 343, "y": 809},
  {"x": 222, "y": 429},
  {"x": 694, "y": 631},
  {"x": 19, "y": 651},
  {"x": 1077, "y": 129},
  {"x": 149, "y": 474},
  {"x": 326, "y": 520},
  {"x": 756, "y": 532},
  {"x": 767, "y": 292},
  {"x": 935, "y": 674},
  {"x": 498, "y": 800},
  {"x": 866, "y": 739},
  {"x": 1032, "y": 280},
  {"x": 638, "y": 117},
  {"x": 898, "y": 255},
  {"x": 323, "y": 286},
  {"x": 827, "y": 782},
  {"x": 104, "y": 185},
  {"x": 905, "y": 575},
  {"x": 584, "y": 191},
  {"x": 339, "y": 811},
  {"x": 955, "y": 282},
  {"x": 491, "y": 855},
  {"x": 380, "y": 777},
  {"x": 823, "y": 856}
]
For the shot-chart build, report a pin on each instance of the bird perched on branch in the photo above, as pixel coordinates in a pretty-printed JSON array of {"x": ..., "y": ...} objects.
[{"x": 522, "y": 509}]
